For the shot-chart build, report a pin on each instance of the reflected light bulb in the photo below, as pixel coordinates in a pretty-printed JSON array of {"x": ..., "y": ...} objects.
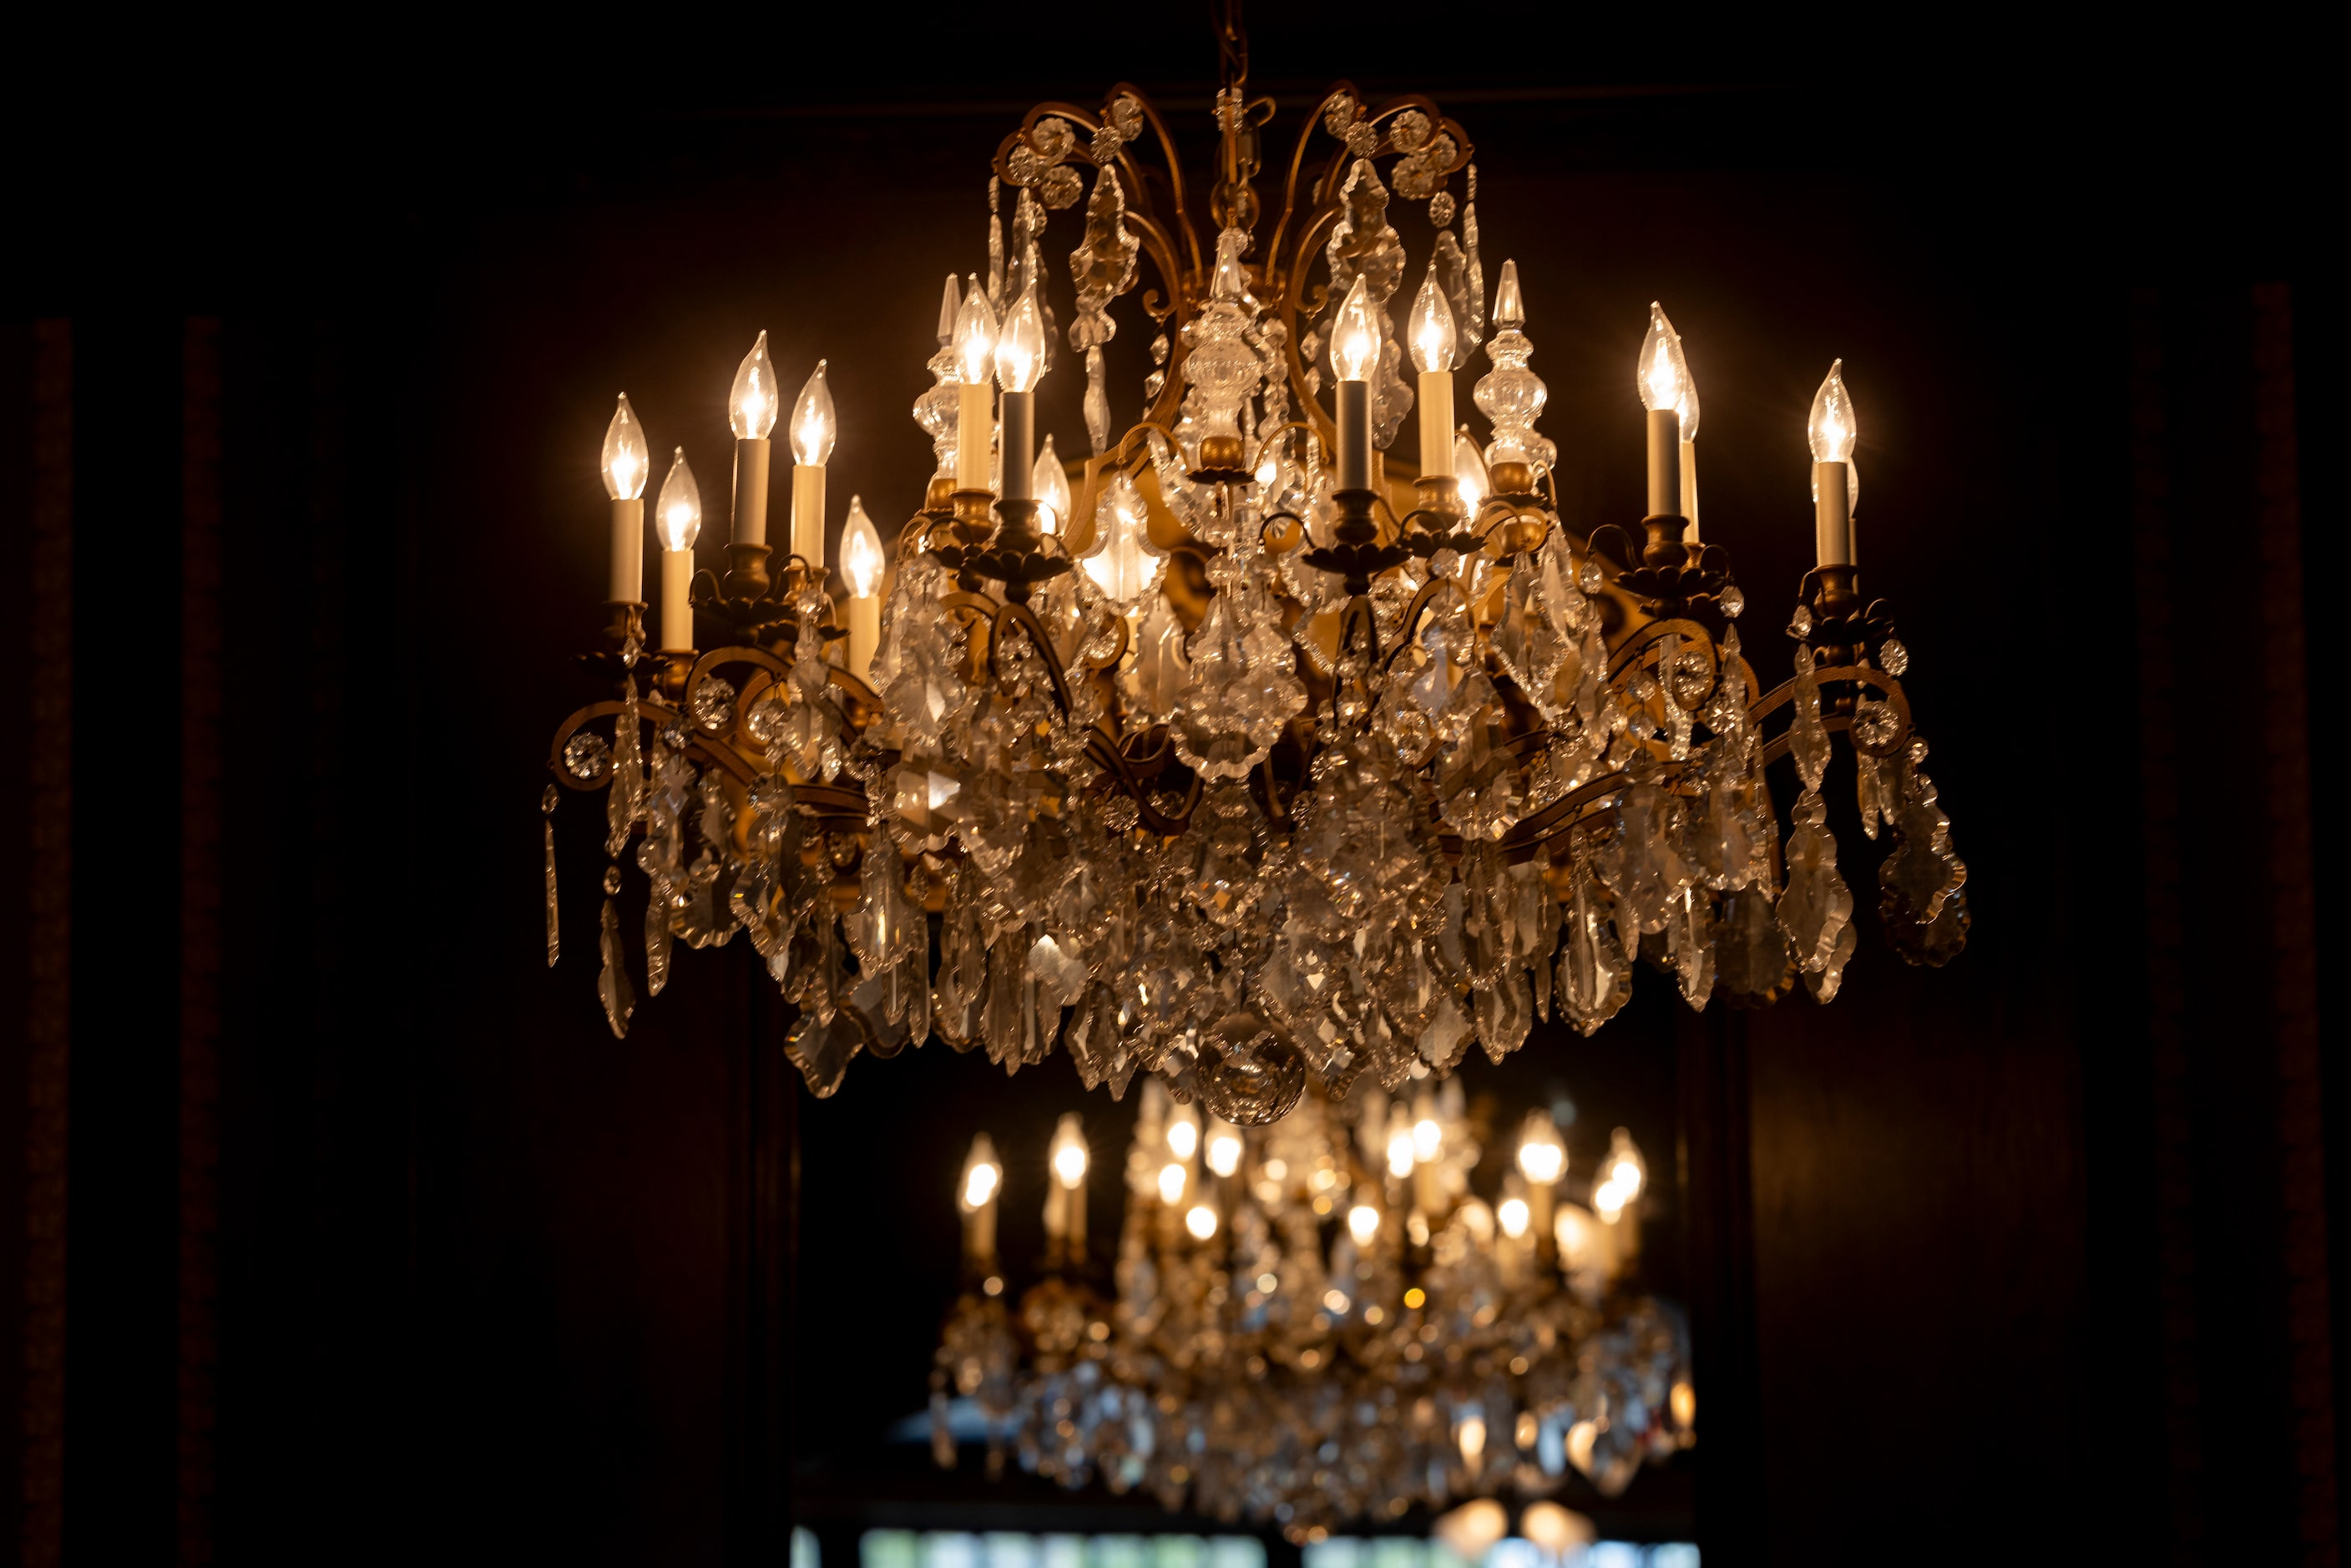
[
  {"x": 1051, "y": 488},
  {"x": 1362, "y": 1223},
  {"x": 1556, "y": 1530},
  {"x": 752, "y": 404},
  {"x": 628, "y": 458},
  {"x": 1472, "y": 1438},
  {"x": 1020, "y": 347},
  {"x": 1171, "y": 1183},
  {"x": 1183, "y": 1133},
  {"x": 812, "y": 422},
  {"x": 1201, "y": 1221},
  {"x": 974, "y": 337},
  {"x": 1069, "y": 1153},
  {"x": 1512, "y": 1216},
  {"x": 1628, "y": 1172},
  {"x": 1541, "y": 1156},
  {"x": 1400, "y": 1152},
  {"x": 981, "y": 1174},
  {"x": 1224, "y": 1156},
  {"x": 1427, "y": 1138},
  {"x": 1355, "y": 338},
  {"x": 1472, "y": 1530},
  {"x": 862, "y": 559},
  {"x": 677, "y": 515},
  {"x": 1832, "y": 428},
  {"x": 1664, "y": 377},
  {"x": 1121, "y": 566},
  {"x": 1469, "y": 475},
  {"x": 1431, "y": 328},
  {"x": 1571, "y": 1229}
]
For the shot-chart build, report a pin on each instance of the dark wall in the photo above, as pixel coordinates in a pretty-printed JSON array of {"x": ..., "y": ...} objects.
[{"x": 381, "y": 1245}]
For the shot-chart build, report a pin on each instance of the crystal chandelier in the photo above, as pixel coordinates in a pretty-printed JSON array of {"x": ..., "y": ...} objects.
[
  {"x": 1242, "y": 751},
  {"x": 1320, "y": 1321}
]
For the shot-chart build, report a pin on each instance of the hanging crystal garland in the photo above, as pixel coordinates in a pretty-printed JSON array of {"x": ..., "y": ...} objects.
[
  {"x": 1321, "y": 1321},
  {"x": 1230, "y": 754}
]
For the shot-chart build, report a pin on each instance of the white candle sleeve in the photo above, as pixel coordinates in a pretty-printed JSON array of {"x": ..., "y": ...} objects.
[
  {"x": 1354, "y": 435},
  {"x": 1020, "y": 446},
  {"x": 676, "y": 605},
  {"x": 1831, "y": 513},
  {"x": 808, "y": 514},
  {"x": 1664, "y": 462},
  {"x": 751, "y": 491},
  {"x": 1689, "y": 489},
  {"x": 975, "y": 423},
  {"x": 628, "y": 580},
  {"x": 1436, "y": 424},
  {"x": 864, "y": 635}
]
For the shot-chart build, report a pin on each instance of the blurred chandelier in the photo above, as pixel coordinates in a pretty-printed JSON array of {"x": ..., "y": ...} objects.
[
  {"x": 1320, "y": 1321},
  {"x": 1231, "y": 753}
]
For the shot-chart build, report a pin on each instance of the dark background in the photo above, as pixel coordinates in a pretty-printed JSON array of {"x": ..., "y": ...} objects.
[{"x": 376, "y": 1245}]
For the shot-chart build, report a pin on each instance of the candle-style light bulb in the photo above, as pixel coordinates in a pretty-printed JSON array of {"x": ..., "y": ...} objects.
[
  {"x": 1831, "y": 429},
  {"x": 1122, "y": 566},
  {"x": 813, "y": 427},
  {"x": 1663, "y": 380},
  {"x": 982, "y": 1175},
  {"x": 1183, "y": 1132},
  {"x": 861, "y": 563},
  {"x": 1431, "y": 330},
  {"x": 1541, "y": 1156},
  {"x": 1070, "y": 1154},
  {"x": 1066, "y": 1158},
  {"x": 1362, "y": 1223},
  {"x": 975, "y": 338},
  {"x": 752, "y": 405},
  {"x": 1051, "y": 488},
  {"x": 1836, "y": 492},
  {"x": 862, "y": 559},
  {"x": 1469, "y": 474},
  {"x": 628, "y": 463},
  {"x": 1222, "y": 1151},
  {"x": 628, "y": 458},
  {"x": 1624, "y": 1174},
  {"x": 1355, "y": 338},
  {"x": 677, "y": 515},
  {"x": 1628, "y": 1171},
  {"x": 1400, "y": 1146},
  {"x": 1020, "y": 347},
  {"x": 1663, "y": 377},
  {"x": 677, "y": 522}
]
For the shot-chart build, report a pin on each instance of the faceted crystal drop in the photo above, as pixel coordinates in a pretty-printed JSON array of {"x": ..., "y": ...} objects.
[{"x": 612, "y": 984}]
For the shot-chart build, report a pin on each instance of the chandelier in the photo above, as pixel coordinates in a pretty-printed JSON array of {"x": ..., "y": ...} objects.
[
  {"x": 1243, "y": 751},
  {"x": 1320, "y": 1321}
]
